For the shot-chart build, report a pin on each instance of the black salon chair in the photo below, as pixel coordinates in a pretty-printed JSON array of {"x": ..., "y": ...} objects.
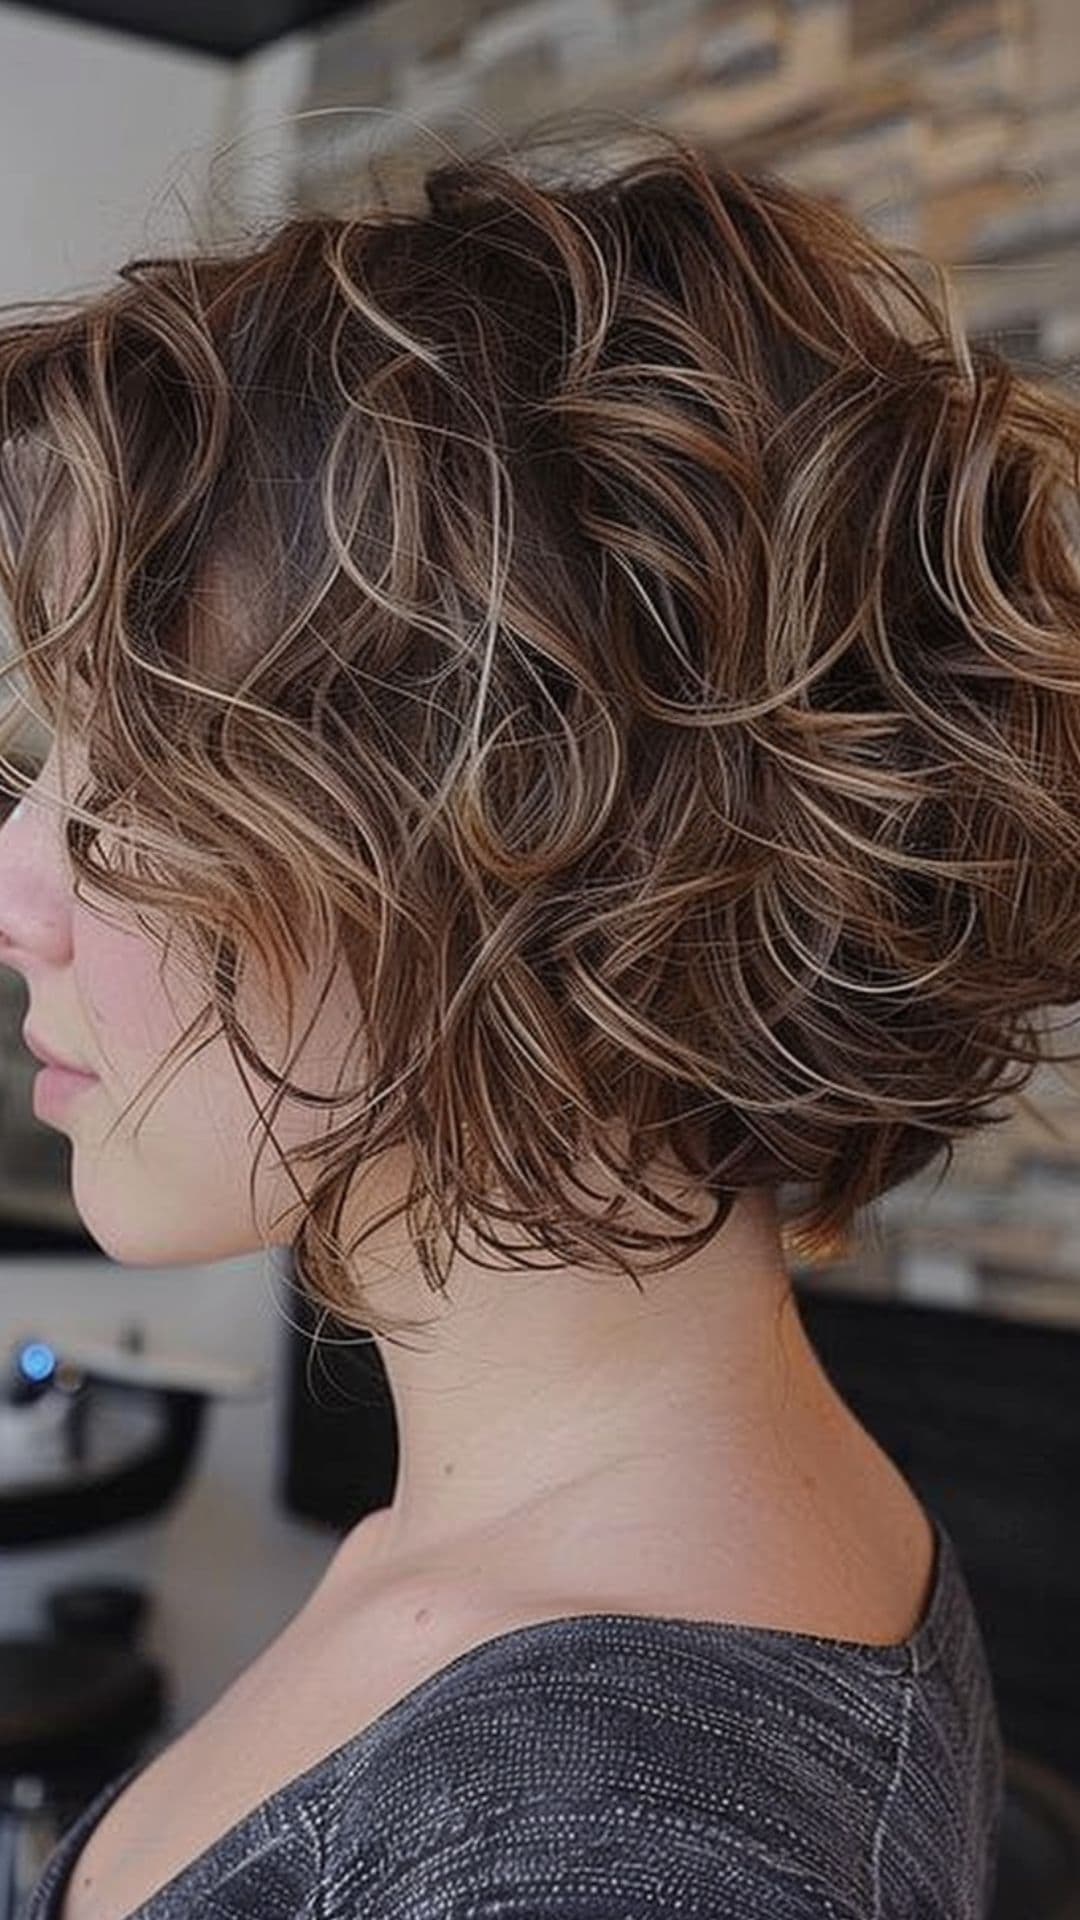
[
  {"x": 78, "y": 1705},
  {"x": 79, "y": 1701}
]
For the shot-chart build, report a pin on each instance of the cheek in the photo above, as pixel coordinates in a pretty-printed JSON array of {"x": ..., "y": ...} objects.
[
  {"x": 171, "y": 1183},
  {"x": 133, "y": 1016},
  {"x": 168, "y": 1185}
]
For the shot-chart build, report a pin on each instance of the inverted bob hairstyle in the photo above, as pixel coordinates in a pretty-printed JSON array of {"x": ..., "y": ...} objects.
[{"x": 651, "y": 665}]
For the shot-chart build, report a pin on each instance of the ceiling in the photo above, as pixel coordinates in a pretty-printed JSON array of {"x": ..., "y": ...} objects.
[{"x": 225, "y": 27}]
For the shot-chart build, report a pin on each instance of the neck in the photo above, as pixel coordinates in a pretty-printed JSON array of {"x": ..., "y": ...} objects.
[{"x": 534, "y": 1400}]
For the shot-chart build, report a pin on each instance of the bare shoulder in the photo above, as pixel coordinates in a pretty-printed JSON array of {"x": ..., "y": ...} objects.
[{"x": 850, "y": 1560}]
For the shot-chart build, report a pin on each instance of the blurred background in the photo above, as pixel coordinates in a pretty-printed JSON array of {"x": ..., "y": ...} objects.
[{"x": 175, "y": 1469}]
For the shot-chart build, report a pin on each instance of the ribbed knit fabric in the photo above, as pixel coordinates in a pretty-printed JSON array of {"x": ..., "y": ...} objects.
[{"x": 621, "y": 1767}]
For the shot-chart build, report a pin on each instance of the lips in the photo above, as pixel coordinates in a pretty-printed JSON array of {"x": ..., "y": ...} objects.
[{"x": 50, "y": 1059}]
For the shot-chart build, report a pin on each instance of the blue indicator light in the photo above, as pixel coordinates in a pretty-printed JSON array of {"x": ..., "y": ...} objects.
[{"x": 37, "y": 1361}]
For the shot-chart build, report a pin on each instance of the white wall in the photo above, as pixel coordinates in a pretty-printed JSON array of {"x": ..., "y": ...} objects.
[
  {"x": 94, "y": 125},
  {"x": 111, "y": 146}
]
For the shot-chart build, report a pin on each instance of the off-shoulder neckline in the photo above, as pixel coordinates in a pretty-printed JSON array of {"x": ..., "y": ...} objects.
[{"x": 913, "y": 1655}]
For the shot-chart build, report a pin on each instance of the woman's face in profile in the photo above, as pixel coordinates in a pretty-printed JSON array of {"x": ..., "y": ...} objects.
[{"x": 171, "y": 1185}]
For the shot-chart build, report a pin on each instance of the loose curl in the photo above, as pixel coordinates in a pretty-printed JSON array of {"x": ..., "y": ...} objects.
[{"x": 652, "y": 667}]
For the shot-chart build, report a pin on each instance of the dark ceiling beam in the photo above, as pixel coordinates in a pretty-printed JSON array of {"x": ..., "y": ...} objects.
[{"x": 228, "y": 28}]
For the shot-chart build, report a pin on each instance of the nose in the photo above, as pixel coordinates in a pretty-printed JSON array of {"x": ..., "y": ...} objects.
[{"x": 34, "y": 903}]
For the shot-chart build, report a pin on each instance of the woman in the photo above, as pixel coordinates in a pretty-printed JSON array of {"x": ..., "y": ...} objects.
[{"x": 566, "y": 696}]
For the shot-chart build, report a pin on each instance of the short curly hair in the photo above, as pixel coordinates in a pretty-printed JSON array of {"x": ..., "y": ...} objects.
[{"x": 653, "y": 667}]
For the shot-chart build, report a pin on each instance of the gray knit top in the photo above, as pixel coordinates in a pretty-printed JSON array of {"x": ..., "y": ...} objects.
[{"x": 628, "y": 1767}]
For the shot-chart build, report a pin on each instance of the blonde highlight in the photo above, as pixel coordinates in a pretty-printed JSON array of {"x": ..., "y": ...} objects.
[{"x": 625, "y": 621}]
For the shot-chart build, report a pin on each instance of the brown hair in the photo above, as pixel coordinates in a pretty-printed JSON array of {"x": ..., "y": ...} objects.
[{"x": 652, "y": 666}]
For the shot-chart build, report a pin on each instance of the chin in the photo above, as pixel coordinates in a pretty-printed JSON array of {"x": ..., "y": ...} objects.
[{"x": 138, "y": 1228}]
